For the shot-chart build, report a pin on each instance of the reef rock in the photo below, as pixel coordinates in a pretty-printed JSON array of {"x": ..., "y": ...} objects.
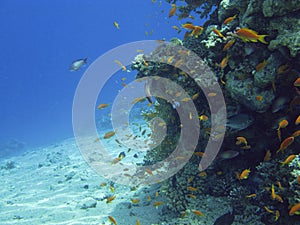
[
  {"x": 244, "y": 92},
  {"x": 290, "y": 37},
  {"x": 279, "y": 8}
]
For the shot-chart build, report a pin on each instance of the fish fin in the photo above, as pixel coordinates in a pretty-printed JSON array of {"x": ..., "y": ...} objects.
[{"x": 261, "y": 38}]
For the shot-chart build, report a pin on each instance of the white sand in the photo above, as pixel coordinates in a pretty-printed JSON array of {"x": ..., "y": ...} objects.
[{"x": 54, "y": 185}]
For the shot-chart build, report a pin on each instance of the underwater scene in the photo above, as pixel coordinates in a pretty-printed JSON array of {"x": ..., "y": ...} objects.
[{"x": 150, "y": 112}]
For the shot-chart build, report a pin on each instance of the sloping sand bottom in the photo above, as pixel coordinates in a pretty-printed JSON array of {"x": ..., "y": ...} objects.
[{"x": 54, "y": 185}]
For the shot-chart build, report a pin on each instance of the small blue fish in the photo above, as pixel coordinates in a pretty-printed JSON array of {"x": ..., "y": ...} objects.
[{"x": 77, "y": 64}]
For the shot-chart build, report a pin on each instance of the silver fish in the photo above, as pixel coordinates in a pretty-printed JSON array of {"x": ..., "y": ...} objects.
[
  {"x": 230, "y": 154},
  {"x": 240, "y": 121},
  {"x": 279, "y": 104},
  {"x": 77, "y": 64}
]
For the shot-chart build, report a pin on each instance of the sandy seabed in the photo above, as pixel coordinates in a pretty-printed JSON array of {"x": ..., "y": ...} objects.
[{"x": 54, "y": 185}]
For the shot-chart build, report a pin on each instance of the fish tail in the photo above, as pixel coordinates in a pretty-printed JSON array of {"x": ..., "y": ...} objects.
[
  {"x": 261, "y": 38},
  {"x": 279, "y": 134}
]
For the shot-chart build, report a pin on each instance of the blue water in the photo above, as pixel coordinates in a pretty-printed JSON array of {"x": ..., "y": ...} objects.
[{"x": 39, "y": 40}]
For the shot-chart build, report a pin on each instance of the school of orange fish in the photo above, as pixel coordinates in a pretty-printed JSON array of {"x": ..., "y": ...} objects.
[{"x": 246, "y": 35}]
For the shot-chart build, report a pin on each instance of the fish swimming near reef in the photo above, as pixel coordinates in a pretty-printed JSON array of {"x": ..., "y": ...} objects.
[
  {"x": 250, "y": 35},
  {"x": 240, "y": 121},
  {"x": 279, "y": 104},
  {"x": 77, "y": 64},
  {"x": 229, "y": 154},
  {"x": 226, "y": 219}
]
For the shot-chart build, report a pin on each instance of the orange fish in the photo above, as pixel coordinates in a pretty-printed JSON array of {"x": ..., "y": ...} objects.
[
  {"x": 224, "y": 62},
  {"x": 277, "y": 214},
  {"x": 121, "y": 65},
  {"x": 188, "y": 26},
  {"x": 149, "y": 172},
  {"x": 229, "y": 19},
  {"x": 156, "y": 204},
  {"x": 102, "y": 106},
  {"x": 280, "y": 186},
  {"x": 109, "y": 134},
  {"x": 288, "y": 160},
  {"x": 197, "y": 31},
  {"x": 203, "y": 118},
  {"x": 297, "y": 82},
  {"x": 217, "y": 32},
  {"x": 267, "y": 156},
  {"x": 212, "y": 94},
  {"x": 135, "y": 200},
  {"x": 192, "y": 188},
  {"x": 192, "y": 196},
  {"x": 110, "y": 199},
  {"x": 173, "y": 10},
  {"x": 138, "y": 222},
  {"x": 278, "y": 198},
  {"x": 148, "y": 198},
  {"x": 178, "y": 63},
  {"x": 176, "y": 28},
  {"x": 103, "y": 184},
  {"x": 296, "y": 133},
  {"x": 116, "y": 160},
  {"x": 297, "y": 121},
  {"x": 282, "y": 124},
  {"x": 228, "y": 44},
  {"x": 286, "y": 143},
  {"x": 250, "y": 35},
  {"x": 145, "y": 63},
  {"x": 244, "y": 174},
  {"x": 170, "y": 59},
  {"x": 259, "y": 98},
  {"x": 283, "y": 69},
  {"x": 156, "y": 194},
  {"x": 185, "y": 99},
  {"x": 241, "y": 140},
  {"x": 295, "y": 209},
  {"x": 112, "y": 220},
  {"x": 251, "y": 196},
  {"x": 112, "y": 189},
  {"x": 202, "y": 174},
  {"x": 116, "y": 25},
  {"x": 268, "y": 210},
  {"x": 261, "y": 65},
  {"x": 201, "y": 154},
  {"x": 219, "y": 173},
  {"x": 138, "y": 99},
  {"x": 197, "y": 212},
  {"x": 190, "y": 179},
  {"x": 273, "y": 192},
  {"x": 195, "y": 96}
]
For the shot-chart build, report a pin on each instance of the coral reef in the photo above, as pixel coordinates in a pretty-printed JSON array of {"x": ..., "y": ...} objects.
[{"x": 254, "y": 75}]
